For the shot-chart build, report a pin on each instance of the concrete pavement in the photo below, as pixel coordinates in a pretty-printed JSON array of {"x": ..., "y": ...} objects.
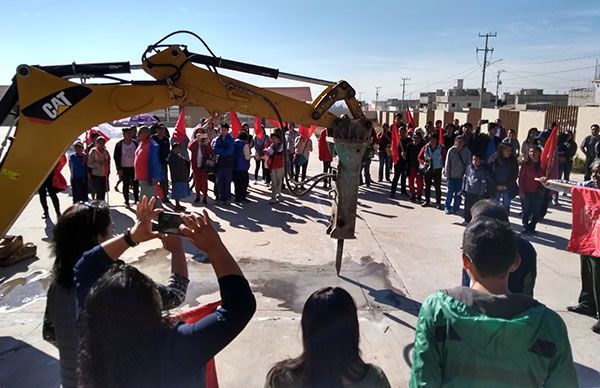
[{"x": 402, "y": 254}]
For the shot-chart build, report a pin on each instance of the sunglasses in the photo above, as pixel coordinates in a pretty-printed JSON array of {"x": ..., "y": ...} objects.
[{"x": 94, "y": 207}]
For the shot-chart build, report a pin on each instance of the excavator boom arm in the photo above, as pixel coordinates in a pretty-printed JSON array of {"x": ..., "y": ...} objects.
[{"x": 53, "y": 112}]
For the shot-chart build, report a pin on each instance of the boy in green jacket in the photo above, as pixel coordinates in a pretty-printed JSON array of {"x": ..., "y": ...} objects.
[{"x": 485, "y": 336}]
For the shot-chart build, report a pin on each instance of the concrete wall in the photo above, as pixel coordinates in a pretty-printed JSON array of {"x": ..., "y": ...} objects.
[
  {"x": 531, "y": 119},
  {"x": 422, "y": 119},
  {"x": 438, "y": 115},
  {"x": 586, "y": 116},
  {"x": 489, "y": 114},
  {"x": 461, "y": 116}
]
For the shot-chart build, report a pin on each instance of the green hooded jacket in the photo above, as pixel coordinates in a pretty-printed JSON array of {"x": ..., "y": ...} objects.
[{"x": 466, "y": 338}]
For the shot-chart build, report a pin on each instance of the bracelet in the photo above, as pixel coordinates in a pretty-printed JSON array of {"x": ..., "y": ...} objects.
[{"x": 128, "y": 239}]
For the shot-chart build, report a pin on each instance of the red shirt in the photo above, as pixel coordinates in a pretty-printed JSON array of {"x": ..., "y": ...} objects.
[
  {"x": 527, "y": 183},
  {"x": 140, "y": 164}
]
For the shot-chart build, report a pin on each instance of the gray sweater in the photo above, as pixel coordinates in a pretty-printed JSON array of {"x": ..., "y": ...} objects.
[{"x": 457, "y": 162}]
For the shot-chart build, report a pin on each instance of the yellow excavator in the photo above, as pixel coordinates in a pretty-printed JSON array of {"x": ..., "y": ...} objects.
[{"x": 48, "y": 112}]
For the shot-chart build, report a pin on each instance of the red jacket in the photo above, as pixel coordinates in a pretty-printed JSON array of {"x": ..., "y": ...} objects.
[
  {"x": 527, "y": 182},
  {"x": 324, "y": 154},
  {"x": 207, "y": 152}
]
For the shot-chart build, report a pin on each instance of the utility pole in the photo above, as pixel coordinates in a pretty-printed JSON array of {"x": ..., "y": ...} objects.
[
  {"x": 485, "y": 64},
  {"x": 377, "y": 89},
  {"x": 404, "y": 79},
  {"x": 498, "y": 83}
]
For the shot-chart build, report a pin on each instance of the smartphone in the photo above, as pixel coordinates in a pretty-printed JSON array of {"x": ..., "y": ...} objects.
[{"x": 168, "y": 222}]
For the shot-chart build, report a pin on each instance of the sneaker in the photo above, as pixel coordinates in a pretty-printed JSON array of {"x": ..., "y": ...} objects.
[
  {"x": 204, "y": 201},
  {"x": 45, "y": 215},
  {"x": 447, "y": 211},
  {"x": 197, "y": 200},
  {"x": 425, "y": 204},
  {"x": 582, "y": 309},
  {"x": 596, "y": 327}
]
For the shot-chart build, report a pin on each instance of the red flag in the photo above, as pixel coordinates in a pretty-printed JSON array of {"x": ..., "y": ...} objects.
[
  {"x": 585, "y": 235},
  {"x": 441, "y": 136},
  {"x": 409, "y": 119},
  {"x": 59, "y": 181},
  {"x": 549, "y": 160},
  {"x": 179, "y": 135},
  {"x": 90, "y": 132},
  {"x": 395, "y": 144},
  {"x": 236, "y": 125},
  {"x": 306, "y": 132},
  {"x": 275, "y": 123},
  {"x": 258, "y": 130},
  {"x": 192, "y": 316}
]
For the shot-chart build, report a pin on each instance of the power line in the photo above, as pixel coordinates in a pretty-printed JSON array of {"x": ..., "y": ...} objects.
[
  {"x": 551, "y": 72},
  {"x": 555, "y": 60}
]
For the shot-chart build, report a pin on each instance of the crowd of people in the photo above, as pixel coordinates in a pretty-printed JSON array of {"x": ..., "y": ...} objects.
[
  {"x": 110, "y": 322},
  {"x": 477, "y": 163},
  {"x": 111, "y": 325}
]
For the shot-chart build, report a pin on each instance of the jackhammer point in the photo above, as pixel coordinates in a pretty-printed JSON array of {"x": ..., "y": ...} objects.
[{"x": 338, "y": 256}]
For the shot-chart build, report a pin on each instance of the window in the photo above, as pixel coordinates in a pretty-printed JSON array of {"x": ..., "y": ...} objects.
[
  {"x": 468, "y": 104},
  {"x": 453, "y": 105}
]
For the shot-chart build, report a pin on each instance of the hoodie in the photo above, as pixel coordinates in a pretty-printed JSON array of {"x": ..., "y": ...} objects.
[{"x": 467, "y": 338}]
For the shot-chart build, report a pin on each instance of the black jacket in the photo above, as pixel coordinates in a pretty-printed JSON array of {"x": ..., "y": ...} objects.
[{"x": 118, "y": 152}]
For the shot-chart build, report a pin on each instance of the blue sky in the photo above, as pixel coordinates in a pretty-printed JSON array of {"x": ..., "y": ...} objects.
[{"x": 368, "y": 43}]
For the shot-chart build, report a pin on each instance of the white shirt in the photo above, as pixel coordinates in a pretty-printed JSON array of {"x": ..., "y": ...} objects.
[{"x": 127, "y": 154}]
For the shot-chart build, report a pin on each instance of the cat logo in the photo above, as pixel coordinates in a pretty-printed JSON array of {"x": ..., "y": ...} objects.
[{"x": 51, "y": 107}]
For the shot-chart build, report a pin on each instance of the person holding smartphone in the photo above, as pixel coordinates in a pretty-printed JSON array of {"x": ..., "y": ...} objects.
[{"x": 125, "y": 340}]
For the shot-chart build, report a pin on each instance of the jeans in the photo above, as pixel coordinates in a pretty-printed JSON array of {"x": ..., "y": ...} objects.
[
  {"x": 588, "y": 169},
  {"x": 240, "y": 183},
  {"x": 435, "y": 177},
  {"x": 385, "y": 163},
  {"x": 399, "y": 175},
  {"x": 128, "y": 177},
  {"x": 224, "y": 178},
  {"x": 531, "y": 210},
  {"x": 466, "y": 280},
  {"x": 260, "y": 163},
  {"x": 470, "y": 200},
  {"x": 297, "y": 169},
  {"x": 79, "y": 188},
  {"x": 366, "y": 169},
  {"x": 99, "y": 183},
  {"x": 327, "y": 170},
  {"x": 453, "y": 194},
  {"x": 503, "y": 198}
]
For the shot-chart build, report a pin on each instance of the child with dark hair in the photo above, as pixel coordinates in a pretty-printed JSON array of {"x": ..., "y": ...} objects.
[
  {"x": 475, "y": 184},
  {"x": 485, "y": 335},
  {"x": 531, "y": 191}
]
